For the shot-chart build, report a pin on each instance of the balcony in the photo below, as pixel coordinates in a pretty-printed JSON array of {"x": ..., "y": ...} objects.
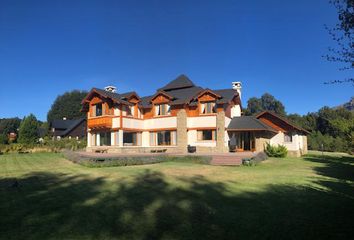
[{"x": 100, "y": 122}]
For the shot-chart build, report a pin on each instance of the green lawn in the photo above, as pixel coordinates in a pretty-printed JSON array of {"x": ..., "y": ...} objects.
[{"x": 310, "y": 197}]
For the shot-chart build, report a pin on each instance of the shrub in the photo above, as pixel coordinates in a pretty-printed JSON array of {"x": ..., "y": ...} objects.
[
  {"x": 279, "y": 151},
  {"x": 64, "y": 143}
]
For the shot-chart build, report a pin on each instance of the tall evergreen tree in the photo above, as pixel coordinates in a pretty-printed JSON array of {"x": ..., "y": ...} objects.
[
  {"x": 28, "y": 132},
  {"x": 266, "y": 103},
  {"x": 67, "y": 105}
]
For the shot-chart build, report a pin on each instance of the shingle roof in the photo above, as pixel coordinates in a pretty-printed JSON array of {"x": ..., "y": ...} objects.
[
  {"x": 63, "y": 127},
  {"x": 181, "y": 89},
  {"x": 226, "y": 95},
  {"x": 245, "y": 123},
  {"x": 182, "y": 81},
  {"x": 287, "y": 121},
  {"x": 114, "y": 96}
]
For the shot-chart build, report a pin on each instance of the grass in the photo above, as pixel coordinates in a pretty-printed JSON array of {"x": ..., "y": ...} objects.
[{"x": 293, "y": 198}]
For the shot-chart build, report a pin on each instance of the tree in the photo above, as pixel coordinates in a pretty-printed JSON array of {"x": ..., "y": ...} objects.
[
  {"x": 3, "y": 138},
  {"x": 254, "y": 105},
  {"x": 8, "y": 125},
  {"x": 28, "y": 132},
  {"x": 67, "y": 105},
  {"x": 266, "y": 103},
  {"x": 343, "y": 34}
]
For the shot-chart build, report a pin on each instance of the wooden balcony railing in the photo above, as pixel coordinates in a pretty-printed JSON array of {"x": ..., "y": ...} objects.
[{"x": 100, "y": 122}]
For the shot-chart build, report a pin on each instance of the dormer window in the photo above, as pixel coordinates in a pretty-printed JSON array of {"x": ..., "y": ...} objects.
[
  {"x": 162, "y": 109},
  {"x": 207, "y": 107},
  {"x": 129, "y": 111},
  {"x": 98, "y": 109}
]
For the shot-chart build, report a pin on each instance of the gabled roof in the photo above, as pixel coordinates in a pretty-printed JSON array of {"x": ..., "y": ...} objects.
[
  {"x": 64, "y": 127},
  {"x": 127, "y": 95},
  {"x": 119, "y": 98},
  {"x": 284, "y": 120},
  {"x": 226, "y": 95},
  {"x": 161, "y": 92},
  {"x": 207, "y": 90},
  {"x": 248, "y": 123},
  {"x": 181, "y": 90},
  {"x": 182, "y": 81}
]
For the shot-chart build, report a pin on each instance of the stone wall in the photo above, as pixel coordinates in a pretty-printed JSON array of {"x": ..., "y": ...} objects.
[
  {"x": 220, "y": 133},
  {"x": 182, "y": 136}
]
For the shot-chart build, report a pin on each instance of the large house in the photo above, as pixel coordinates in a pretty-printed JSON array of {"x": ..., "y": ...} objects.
[{"x": 181, "y": 116}]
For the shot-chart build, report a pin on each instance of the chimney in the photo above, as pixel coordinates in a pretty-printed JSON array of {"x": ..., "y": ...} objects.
[
  {"x": 112, "y": 89},
  {"x": 237, "y": 86}
]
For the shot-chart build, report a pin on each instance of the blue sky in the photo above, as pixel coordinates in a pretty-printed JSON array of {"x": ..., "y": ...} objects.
[{"x": 275, "y": 46}]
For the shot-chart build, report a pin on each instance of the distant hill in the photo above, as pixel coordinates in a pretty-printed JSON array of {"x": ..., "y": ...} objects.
[{"x": 349, "y": 105}]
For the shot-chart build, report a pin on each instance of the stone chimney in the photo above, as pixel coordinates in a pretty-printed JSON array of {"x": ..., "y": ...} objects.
[
  {"x": 112, "y": 89},
  {"x": 237, "y": 86}
]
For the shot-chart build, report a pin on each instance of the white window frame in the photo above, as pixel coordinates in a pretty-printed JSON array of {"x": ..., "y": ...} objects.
[
  {"x": 204, "y": 107},
  {"x": 163, "y": 107}
]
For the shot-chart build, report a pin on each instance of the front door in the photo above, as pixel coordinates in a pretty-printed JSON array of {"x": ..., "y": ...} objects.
[{"x": 244, "y": 141}]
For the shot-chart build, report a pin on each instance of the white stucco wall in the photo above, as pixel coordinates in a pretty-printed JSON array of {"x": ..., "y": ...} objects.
[
  {"x": 112, "y": 139},
  {"x": 164, "y": 122},
  {"x": 98, "y": 140},
  {"x": 116, "y": 111},
  {"x": 145, "y": 139},
  {"x": 89, "y": 136},
  {"x": 207, "y": 121},
  {"x": 236, "y": 111},
  {"x": 296, "y": 144},
  {"x": 115, "y": 122},
  {"x": 227, "y": 121},
  {"x": 133, "y": 123}
]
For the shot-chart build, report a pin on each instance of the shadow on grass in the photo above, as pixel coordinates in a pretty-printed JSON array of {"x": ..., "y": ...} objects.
[
  {"x": 338, "y": 167},
  {"x": 65, "y": 207}
]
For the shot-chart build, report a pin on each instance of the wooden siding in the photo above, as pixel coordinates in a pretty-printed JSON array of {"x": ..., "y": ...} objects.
[
  {"x": 275, "y": 123},
  {"x": 100, "y": 122}
]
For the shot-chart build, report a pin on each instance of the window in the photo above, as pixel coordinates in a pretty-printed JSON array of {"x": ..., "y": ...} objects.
[
  {"x": 162, "y": 109},
  {"x": 128, "y": 110},
  {"x": 105, "y": 138},
  {"x": 288, "y": 137},
  {"x": 131, "y": 138},
  {"x": 163, "y": 138},
  {"x": 208, "y": 107},
  {"x": 98, "y": 110},
  {"x": 206, "y": 135}
]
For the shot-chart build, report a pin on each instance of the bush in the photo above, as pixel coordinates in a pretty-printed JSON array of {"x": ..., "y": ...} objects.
[
  {"x": 279, "y": 151},
  {"x": 3, "y": 139},
  {"x": 64, "y": 143},
  {"x": 15, "y": 148}
]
